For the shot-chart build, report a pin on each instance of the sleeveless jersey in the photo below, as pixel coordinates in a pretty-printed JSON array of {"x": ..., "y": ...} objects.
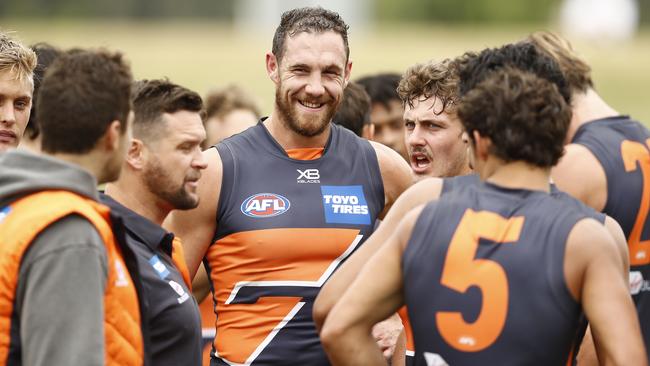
[
  {"x": 284, "y": 226},
  {"x": 484, "y": 279},
  {"x": 622, "y": 146}
]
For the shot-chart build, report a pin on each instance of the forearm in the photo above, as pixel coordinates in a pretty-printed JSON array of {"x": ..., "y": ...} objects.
[{"x": 352, "y": 346}]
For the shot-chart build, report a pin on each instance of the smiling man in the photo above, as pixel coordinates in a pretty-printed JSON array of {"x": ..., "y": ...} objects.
[
  {"x": 17, "y": 64},
  {"x": 284, "y": 202},
  {"x": 434, "y": 134}
]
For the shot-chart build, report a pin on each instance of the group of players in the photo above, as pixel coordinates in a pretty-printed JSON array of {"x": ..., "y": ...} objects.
[{"x": 318, "y": 247}]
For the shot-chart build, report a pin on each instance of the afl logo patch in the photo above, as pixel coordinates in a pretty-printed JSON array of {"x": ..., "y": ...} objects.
[{"x": 265, "y": 205}]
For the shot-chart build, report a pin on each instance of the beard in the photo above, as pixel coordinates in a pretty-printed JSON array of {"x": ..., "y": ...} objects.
[
  {"x": 159, "y": 182},
  {"x": 307, "y": 126}
]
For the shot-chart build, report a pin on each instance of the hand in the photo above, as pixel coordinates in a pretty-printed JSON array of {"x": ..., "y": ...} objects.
[{"x": 386, "y": 333}]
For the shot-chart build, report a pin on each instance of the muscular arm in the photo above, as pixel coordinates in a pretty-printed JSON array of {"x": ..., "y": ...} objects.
[
  {"x": 395, "y": 174},
  {"x": 420, "y": 193},
  {"x": 593, "y": 269},
  {"x": 580, "y": 174},
  {"x": 60, "y": 296},
  {"x": 374, "y": 295},
  {"x": 196, "y": 227}
]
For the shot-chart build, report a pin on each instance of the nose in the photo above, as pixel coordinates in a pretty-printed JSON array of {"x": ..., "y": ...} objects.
[
  {"x": 315, "y": 86},
  {"x": 415, "y": 137},
  {"x": 7, "y": 114},
  {"x": 199, "y": 161}
]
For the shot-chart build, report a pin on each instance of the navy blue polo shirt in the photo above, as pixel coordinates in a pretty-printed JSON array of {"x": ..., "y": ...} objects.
[{"x": 170, "y": 310}]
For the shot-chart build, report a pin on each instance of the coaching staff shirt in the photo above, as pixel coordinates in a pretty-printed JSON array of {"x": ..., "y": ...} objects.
[{"x": 169, "y": 307}]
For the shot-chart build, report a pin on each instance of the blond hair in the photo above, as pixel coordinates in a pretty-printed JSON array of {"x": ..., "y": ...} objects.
[
  {"x": 14, "y": 57},
  {"x": 431, "y": 79},
  {"x": 576, "y": 70}
]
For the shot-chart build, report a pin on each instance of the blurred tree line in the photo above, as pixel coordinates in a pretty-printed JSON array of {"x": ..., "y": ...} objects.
[{"x": 452, "y": 11}]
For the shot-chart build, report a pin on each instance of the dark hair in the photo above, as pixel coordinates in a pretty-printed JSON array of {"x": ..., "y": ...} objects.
[
  {"x": 223, "y": 101},
  {"x": 354, "y": 111},
  {"x": 83, "y": 91},
  {"x": 432, "y": 79},
  {"x": 152, "y": 98},
  {"x": 382, "y": 88},
  {"x": 523, "y": 115},
  {"x": 46, "y": 54},
  {"x": 474, "y": 68},
  {"x": 310, "y": 20}
]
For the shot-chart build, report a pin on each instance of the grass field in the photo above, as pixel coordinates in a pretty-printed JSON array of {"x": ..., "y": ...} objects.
[{"x": 203, "y": 55}]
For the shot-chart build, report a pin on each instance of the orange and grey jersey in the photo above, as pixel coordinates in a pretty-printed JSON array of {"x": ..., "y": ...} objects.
[
  {"x": 622, "y": 146},
  {"x": 284, "y": 225},
  {"x": 484, "y": 279}
]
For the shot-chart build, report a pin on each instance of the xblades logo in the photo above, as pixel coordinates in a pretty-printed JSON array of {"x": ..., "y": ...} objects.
[{"x": 308, "y": 176}]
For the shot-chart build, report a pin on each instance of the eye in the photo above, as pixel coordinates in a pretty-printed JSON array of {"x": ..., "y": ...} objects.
[
  {"x": 21, "y": 105},
  {"x": 409, "y": 125}
]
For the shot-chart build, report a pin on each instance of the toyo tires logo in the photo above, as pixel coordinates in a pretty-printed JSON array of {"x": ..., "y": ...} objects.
[{"x": 265, "y": 205}]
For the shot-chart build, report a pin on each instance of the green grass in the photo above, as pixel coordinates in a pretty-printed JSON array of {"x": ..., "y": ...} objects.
[{"x": 203, "y": 55}]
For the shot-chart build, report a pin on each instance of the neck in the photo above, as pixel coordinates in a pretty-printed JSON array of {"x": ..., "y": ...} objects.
[
  {"x": 289, "y": 139},
  {"x": 132, "y": 193},
  {"x": 93, "y": 162},
  {"x": 517, "y": 175},
  {"x": 588, "y": 106}
]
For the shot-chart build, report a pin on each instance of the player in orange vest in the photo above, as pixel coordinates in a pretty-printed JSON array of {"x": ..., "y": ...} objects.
[{"x": 68, "y": 290}]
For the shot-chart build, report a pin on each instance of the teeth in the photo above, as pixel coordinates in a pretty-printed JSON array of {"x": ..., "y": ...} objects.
[
  {"x": 422, "y": 164},
  {"x": 311, "y": 105}
]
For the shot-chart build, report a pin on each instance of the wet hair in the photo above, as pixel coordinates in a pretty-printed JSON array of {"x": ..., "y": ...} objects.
[
  {"x": 82, "y": 93},
  {"x": 152, "y": 98},
  {"x": 309, "y": 20},
  {"x": 432, "y": 79},
  {"x": 576, "y": 70},
  {"x": 46, "y": 54},
  {"x": 354, "y": 111},
  {"x": 524, "y": 116},
  {"x": 474, "y": 68},
  {"x": 382, "y": 88}
]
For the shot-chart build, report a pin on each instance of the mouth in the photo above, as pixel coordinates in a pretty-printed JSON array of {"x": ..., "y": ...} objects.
[
  {"x": 420, "y": 163},
  {"x": 311, "y": 106},
  {"x": 7, "y": 136}
]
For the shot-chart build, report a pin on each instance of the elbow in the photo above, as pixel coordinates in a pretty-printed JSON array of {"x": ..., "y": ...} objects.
[
  {"x": 320, "y": 312},
  {"x": 331, "y": 334}
]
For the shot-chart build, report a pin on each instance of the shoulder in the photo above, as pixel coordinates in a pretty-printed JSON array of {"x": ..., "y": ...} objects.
[
  {"x": 395, "y": 172},
  {"x": 580, "y": 174}
]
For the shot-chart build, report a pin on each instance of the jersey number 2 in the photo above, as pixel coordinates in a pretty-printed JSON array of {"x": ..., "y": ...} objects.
[
  {"x": 462, "y": 270},
  {"x": 633, "y": 152}
]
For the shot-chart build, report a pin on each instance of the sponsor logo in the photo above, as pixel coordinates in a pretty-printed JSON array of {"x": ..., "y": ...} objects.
[
  {"x": 434, "y": 359},
  {"x": 308, "y": 176},
  {"x": 637, "y": 283},
  {"x": 159, "y": 267},
  {"x": 183, "y": 296},
  {"x": 4, "y": 213},
  {"x": 345, "y": 205},
  {"x": 265, "y": 205},
  {"x": 122, "y": 280}
]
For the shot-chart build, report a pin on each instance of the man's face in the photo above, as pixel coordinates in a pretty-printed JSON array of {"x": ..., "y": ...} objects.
[
  {"x": 15, "y": 106},
  {"x": 435, "y": 144},
  {"x": 173, "y": 161},
  {"x": 236, "y": 121},
  {"x": 389, "y": 125},
  {"x": 310, "y": 80}
]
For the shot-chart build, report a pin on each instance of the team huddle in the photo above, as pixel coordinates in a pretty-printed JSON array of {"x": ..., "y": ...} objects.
[{"x": 506, "y": 224}]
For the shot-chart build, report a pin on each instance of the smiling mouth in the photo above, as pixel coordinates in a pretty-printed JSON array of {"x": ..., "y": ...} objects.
[{"x": 310, "y": 105}]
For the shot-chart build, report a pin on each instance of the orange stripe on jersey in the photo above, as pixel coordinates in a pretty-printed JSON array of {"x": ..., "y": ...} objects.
[
  {"x": 289, "y": 258},
  {"x": 403, "y": 314},
  {"x": 307, "y": 153}
]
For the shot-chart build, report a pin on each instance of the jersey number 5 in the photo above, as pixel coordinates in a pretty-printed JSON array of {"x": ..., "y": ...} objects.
[
  {"x": 633, "y": 152},
  {"x": 462, "y": 270}
]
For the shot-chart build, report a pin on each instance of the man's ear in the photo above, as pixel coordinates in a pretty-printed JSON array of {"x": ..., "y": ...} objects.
[
  {"x": 111, "y": 139},
  {"x": 272, "y": 67},
  {"x": 348, "y": 72},
  {"x": 482, "y": 146},
  {"x": 136, "y": 155}
]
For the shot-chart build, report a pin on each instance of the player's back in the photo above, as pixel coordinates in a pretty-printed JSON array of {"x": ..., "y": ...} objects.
[
  {"x": 622, "y": 146},
  {"x": 484, "y": 279}
]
